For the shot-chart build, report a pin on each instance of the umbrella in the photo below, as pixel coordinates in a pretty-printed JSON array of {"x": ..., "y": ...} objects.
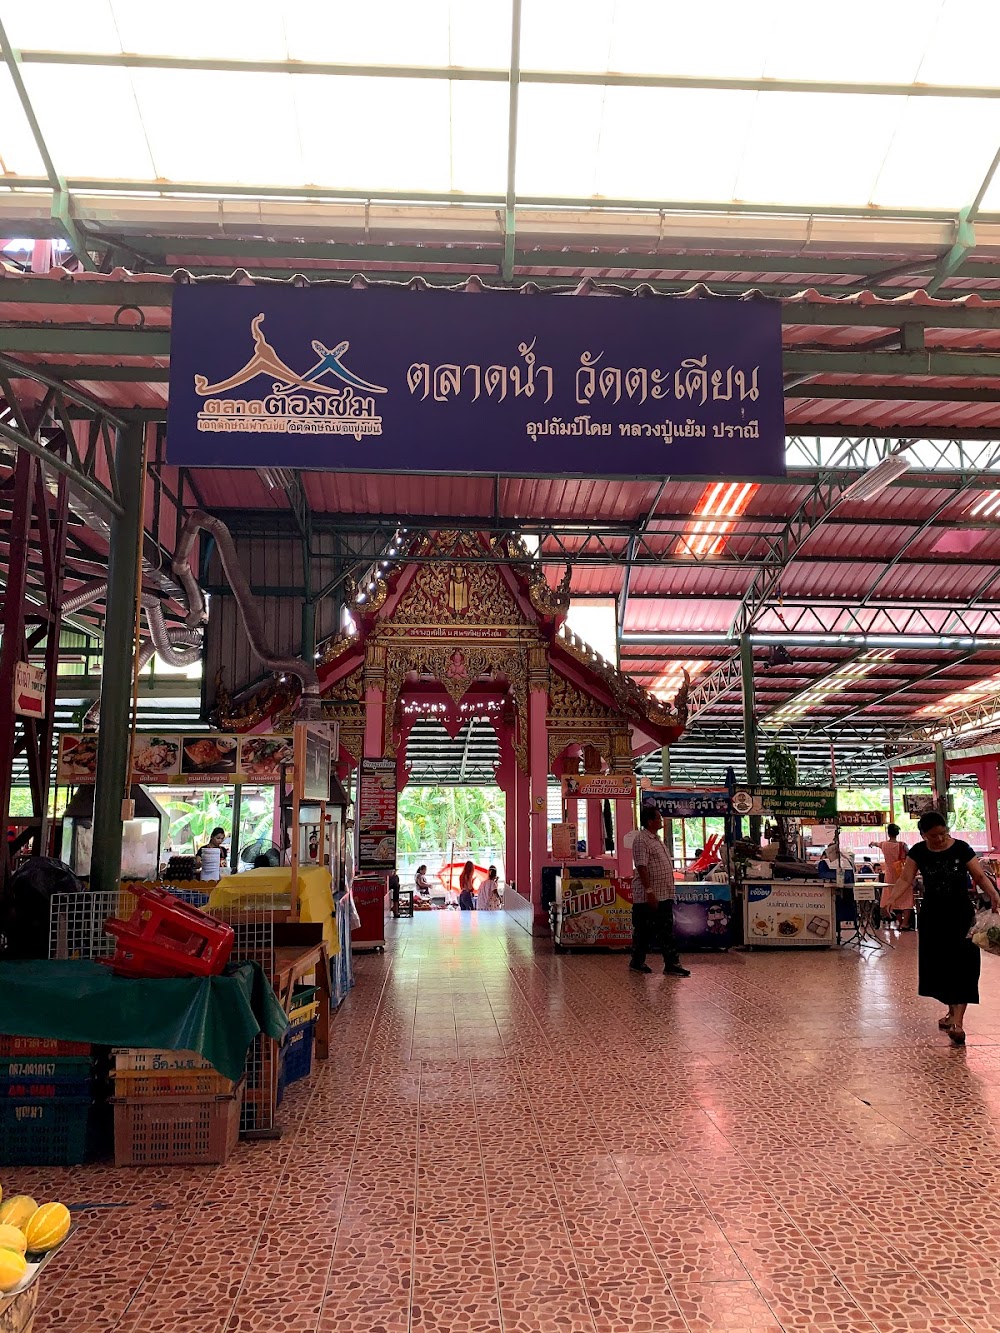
[{"x": 450, "y": 874}]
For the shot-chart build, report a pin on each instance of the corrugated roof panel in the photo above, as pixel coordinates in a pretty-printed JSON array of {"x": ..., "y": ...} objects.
[
  {"x": 653, "y": 615},
  {"x": 704, "y": 581}
]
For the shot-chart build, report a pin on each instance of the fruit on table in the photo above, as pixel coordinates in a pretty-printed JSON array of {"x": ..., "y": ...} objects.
[
  {"x": 11, "y": 1238},
  {"x": 47, "y": 1227},
  {"x": 13, "y": 1267},
  {"x": 16, "y": 1211}
]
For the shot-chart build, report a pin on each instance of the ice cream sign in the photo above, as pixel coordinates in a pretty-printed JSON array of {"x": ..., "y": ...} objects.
[{"x": 587, "y": 896}]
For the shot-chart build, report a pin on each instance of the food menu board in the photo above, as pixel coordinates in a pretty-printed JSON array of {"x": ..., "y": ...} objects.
[
  {"x": 177, "y": 760},
  {"x": 779, "y": 913},
  {"x": 377, "y": 815}
]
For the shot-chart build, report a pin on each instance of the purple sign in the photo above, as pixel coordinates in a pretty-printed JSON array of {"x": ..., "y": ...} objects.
[{"x": 395, "y": 380}]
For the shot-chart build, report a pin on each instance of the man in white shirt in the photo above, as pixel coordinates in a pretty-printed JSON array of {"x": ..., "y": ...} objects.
[{"x": 653, "y": 897}]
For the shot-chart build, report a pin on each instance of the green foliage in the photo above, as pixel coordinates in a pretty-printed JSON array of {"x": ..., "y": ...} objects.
[
  {"x": 191, "y": 822},
  {"x": 782, "y": 767},
  {"x": 431, "y": 819}
]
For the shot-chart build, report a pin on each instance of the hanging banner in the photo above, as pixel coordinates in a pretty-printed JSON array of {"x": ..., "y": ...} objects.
[
  {"x": 204, "y": 760},
  {"x": 687, "y": 803},
  {"x": 377, "y": 815},
  {"x": 816, "y": 804},
  {"x": 329, "y": 377},
  {"x": 862, "y": 818},
  {"x": 603, "y": 786}
]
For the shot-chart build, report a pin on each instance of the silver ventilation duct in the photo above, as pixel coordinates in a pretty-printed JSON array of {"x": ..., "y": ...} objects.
[{"x": 199, "y": 521}]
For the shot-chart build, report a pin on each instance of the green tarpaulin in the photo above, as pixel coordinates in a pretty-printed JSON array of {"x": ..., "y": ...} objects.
[{"x": 81, "y": 1001}]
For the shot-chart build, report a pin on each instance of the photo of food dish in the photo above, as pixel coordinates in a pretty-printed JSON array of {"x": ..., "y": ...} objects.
[
  {"x": 155, "y": 756},
  {"x": 261, "y": 757},
  {"x": 762, "y": 925},
  {"x": 789, "y": 925},
  {"x": 78, "y": 758},
  {"x": 818, "y": 926},
  {"x": 209, "y": 754}
]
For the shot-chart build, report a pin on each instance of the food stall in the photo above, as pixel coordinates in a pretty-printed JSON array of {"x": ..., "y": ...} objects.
[
  {"x": 703, "y": 908},
  {"x": 782, "y": 911}
]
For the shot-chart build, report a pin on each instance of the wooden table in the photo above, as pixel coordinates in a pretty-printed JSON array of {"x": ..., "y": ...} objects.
[{"x": 294, "y": 962}]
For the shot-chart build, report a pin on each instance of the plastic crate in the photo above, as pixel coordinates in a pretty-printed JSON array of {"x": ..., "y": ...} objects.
[
  {"x": 296, "y": 1055},
  {"x": 32, "y": 1088},
  {"x": 307, "y": 1014},
  {"x": 302, "y": 996},
  {"x": 176, "y": 1131},
  {"x": 156, "y": 1060},
  {"x": 190, "y": 896},
  {"x": 48, "y": 1131},
  {"x": 174, "y": 1083},
  {"x": 23, "y": 1047},
  {"x": 44, "y": 1068}
]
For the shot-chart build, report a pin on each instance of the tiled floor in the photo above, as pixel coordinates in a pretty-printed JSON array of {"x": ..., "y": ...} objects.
[{"x": 510, "y": 1140}]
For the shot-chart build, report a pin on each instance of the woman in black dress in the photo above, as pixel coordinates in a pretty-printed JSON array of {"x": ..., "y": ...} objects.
[{"x": 948, "y": 960}]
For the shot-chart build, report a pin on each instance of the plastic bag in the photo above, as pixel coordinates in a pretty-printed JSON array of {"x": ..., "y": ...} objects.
[
  {"x": 355, "y": 917},
  {"x": 986, "y": 931}
]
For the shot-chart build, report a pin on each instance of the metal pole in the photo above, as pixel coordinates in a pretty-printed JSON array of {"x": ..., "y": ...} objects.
[
  {"x": 234, "y": 836},
  {"x": 18, "y": 537},
  {"x": 668, "y": 824},
  {"x": 113, "y": 778},
  {"x": 750, "y": 724},
  {"x": 941, "y": 778}
]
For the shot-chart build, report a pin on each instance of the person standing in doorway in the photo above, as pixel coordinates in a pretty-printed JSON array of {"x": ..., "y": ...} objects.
[
  {"x": 653, "y": 897},
  {"x": 213, "y": 855},
  {"x": 467, "y": 888},
  {"x": 948, "y": 961},
  {"x": 893, "y": 855},
  {"x": 488, "y": 897}
]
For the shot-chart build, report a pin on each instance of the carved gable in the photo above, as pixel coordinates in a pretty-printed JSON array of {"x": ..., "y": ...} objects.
[{"x": 453, "y": 593}]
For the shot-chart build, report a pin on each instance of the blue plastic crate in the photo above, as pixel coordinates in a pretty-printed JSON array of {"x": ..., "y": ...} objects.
[
  {"x": 44, "y": 1132},
  {"x": 296, "y": 1055}
]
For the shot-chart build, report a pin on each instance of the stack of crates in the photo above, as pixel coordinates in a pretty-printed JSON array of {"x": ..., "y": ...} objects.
[
  {"x": 46, "y": 1101},
  {"x": 295, "y": 1060},
  {"x": 173, "y": 1108}
]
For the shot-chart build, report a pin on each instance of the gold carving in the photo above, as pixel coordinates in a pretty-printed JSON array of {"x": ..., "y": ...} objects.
[
  {"x": 630, "y": 698},
  {"x": 566, "y": 702},
  {"x": 454, "y": 592},
  {"x": 349, "y": 687},
  {"x": 560, "y": 740}
]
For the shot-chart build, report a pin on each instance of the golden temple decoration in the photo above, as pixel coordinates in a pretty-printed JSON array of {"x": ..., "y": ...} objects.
[
  {"x": 630, "y": 698},
  {"x": 350, "y": 686},
  {"x": 457, "y": 666},
  {"x": 337, "y": 647},
  {"x": 452, "y": 593},
  {"x": 599, "y": 740},
  {"x": 567, "y": 703}
]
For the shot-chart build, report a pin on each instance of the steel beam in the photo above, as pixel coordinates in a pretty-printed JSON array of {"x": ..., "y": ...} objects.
[
  {"x": 113, "y": 778},
  {"x": 510, "y": 201},
  {"x": 494, "y": 74},
  {"x": 12, "y": 643}
]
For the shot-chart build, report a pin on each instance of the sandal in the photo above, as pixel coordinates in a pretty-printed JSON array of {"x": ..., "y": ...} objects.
[
  {"x": 956, "y": 1036},
  {"x": 944, "y": 1023}
]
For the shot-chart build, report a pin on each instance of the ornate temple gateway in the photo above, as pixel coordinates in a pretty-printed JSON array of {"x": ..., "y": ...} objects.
[{"x": 454, "y": 640}]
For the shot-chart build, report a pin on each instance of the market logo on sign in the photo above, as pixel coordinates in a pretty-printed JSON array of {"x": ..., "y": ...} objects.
[{"x": 326, "y": 399}]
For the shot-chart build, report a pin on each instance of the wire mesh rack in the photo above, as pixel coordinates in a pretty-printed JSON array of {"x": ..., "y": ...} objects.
[{"x": 76, "y": 931}]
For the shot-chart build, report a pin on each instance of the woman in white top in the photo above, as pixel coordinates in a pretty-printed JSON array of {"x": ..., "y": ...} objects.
[{"x": 488, "y": 895}]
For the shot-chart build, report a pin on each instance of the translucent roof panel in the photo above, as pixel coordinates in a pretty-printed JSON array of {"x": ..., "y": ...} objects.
[
  {"x": 90, "y": 121},
  {"x": 18, "y": 154},
  {"x": 577, "y": 142}
]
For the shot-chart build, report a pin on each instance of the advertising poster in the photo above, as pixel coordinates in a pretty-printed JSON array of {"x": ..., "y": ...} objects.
[
  {"x": 261, "y": 757},
  {"x": 316, "y": 744},
  {"x": 332, "y": 378},
  {"x": 160, "y": 759},
  {"x": 781, "y": 913},
  {"x": 703, "y": 916},
  {"x": 595, "y": 913},
  {"x": 818, "y": 805},
  {"x": 377, "y": 815},
  {"x": 603, "y": 786},
  {"x": 687, "y": 803}
]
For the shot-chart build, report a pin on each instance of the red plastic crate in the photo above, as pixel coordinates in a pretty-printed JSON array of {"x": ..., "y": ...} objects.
[
  {"x": 28, "y": 1046},
  {"x": 165, "y": 937}
]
